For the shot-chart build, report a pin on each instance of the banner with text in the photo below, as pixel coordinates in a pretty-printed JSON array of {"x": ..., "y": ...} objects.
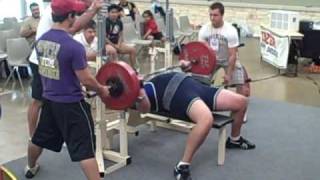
[{"x": 274, "y": 48}]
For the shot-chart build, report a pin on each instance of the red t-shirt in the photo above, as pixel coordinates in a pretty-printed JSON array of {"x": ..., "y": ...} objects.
[{"x": 151, "y": 24}]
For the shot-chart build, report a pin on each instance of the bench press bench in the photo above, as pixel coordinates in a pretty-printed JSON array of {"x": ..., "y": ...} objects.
[{"x": 163, "y": 120}]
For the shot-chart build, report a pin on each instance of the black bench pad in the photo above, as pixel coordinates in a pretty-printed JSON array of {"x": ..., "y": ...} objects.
[{"x": 219, "y": 119}]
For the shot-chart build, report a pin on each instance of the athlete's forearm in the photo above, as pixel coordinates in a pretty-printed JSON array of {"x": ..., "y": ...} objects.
[
  {"x": 143, "y": 104},
  {"x": 88, "y": 80}
]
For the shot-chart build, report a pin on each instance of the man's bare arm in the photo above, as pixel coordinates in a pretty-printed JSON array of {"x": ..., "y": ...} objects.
[
  {"x": 26, "y": 31},
  {"x": 86, "y": 17},
  {"x": 91, "y": 55},
  {"x": 91, "y": 83},
  {"x": 143, "y": 105},
  {"x": 232, "y": 60}
]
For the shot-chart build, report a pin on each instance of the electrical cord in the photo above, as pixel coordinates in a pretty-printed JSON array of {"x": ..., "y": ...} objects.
[
  {"x": 266, "y": 78},
  {"x": 314, "y": 82}
]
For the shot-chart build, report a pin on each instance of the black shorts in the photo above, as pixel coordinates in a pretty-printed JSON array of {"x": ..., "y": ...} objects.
[
  {"x": 157, "y": 36},
  {"x": 66, "y": 122},
  {"x": 188, "y": 92},
  {"x": 36, "y": 84}
]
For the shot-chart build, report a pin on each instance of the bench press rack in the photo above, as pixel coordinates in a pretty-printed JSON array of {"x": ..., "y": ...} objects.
[
  {"x": 128, "y": 119},
  {"x": 104, "y": 129}
]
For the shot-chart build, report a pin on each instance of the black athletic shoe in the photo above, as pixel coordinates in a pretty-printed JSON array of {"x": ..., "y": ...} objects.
[
  {"x": 182, "y": 172},
  {"x": 240, "y": 144},
  {"x": 31, "y": 172}
]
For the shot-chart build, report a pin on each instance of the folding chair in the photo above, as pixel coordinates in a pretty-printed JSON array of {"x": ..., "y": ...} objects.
[
  {"x": 18, "y": 50},
  {"x": 132, "y": 36},
  {"x": 186, "y": 26},
  {"x": 12, "y": 23},
  {"x": 127, "y": 19},
  {"x": 178, "y": 32},
  {"x": 4, "y": 35},
  {"x": 162, "y": 26},
  {"x": 2, "y": 27}
]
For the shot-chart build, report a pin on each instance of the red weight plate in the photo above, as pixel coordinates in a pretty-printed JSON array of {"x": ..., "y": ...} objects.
[
  {"x": 201, "y": 55},
  {"x": 129, "y": 79}
]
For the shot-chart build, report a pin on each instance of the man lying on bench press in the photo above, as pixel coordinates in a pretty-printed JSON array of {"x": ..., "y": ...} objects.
[{"x": 180, "y": 95}]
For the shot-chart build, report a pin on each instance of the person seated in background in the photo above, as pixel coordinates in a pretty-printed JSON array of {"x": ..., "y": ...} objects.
[
  {"x": 128, "y": 9},
  {"x": 114, "y": 37},
  {"x": 29, "y": 28},
  {"x": 89, "y": 40},
  {"x": 157, "y": 9},
  {"x": 151, "y": 30}
]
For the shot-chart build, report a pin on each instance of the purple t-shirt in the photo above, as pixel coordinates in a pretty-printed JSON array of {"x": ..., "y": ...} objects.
[{"x": 59, "y": 57}]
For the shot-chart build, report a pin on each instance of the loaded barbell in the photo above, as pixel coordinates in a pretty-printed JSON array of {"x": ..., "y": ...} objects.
[{"x": 125, "y": 83}]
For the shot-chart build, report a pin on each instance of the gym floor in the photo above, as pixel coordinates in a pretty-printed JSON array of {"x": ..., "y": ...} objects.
[{"x": 303, "y": 90}]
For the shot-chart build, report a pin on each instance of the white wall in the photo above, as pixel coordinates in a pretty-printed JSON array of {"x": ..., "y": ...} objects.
[
  {"x": 252, "y": 15},
  {"x": 17, "y": 8},
  {"x": 10, "y": 8}
]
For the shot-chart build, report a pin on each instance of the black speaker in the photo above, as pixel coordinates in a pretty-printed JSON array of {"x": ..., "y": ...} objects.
[{"x": 305, "y": 26}]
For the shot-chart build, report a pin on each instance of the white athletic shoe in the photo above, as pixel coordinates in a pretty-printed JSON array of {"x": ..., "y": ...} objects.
[{"x": 31, "y": 172}]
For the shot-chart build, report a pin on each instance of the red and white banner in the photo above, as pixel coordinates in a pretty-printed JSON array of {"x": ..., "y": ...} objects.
[{"x": 274, "y": 48}]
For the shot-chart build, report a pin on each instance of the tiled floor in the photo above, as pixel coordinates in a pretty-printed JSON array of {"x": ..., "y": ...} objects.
[{"x": 303, "y": 89}]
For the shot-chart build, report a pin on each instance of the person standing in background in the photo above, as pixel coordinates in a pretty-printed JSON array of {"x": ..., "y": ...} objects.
[
  {"x": 128, "y": 9},
  {"x": 30, "y": 24},
  {"x": 223, "y": 38},
  {"x": 157, "y": 9}
]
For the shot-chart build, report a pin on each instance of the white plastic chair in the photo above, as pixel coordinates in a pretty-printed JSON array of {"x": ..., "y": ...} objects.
[
  {"x": 131, "y": 35},
  {"x": 10, "y": 20},
  {"x": 18, "y": 50},
  {"x": 161, "y": 25},
  {"x": 139, "y": 24},
  {"x": 157, "y": 16},
  {"x": 11, "y": 23},
  {"x": 177, "y": 30},
  {"x": 185, "y": 25},
  {"x": 2, "y": 27},
  {"x": 4, "y": 35},
  {"x": 126, "y": 19}
]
